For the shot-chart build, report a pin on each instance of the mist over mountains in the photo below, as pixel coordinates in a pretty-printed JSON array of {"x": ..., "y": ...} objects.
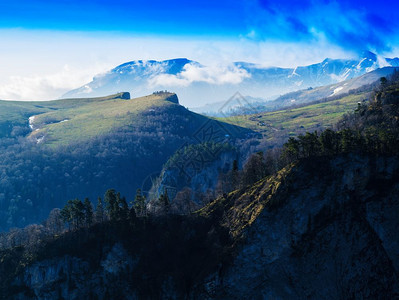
[{"x": 197, "y": 84}]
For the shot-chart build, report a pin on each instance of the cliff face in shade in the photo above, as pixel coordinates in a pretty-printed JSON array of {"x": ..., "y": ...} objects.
[
  {"x": 173, "y": 98},
  {"x": 320, "y": 229},
  {"x": 331, "y": 234},
  {"x": 125, "y": 95},
  {"x": 197, "y": 175}
]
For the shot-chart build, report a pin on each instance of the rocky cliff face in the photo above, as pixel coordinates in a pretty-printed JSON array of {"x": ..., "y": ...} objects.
[
  {"x": 198, "y": 174},
  {"x": 320, "y": 229},
  {"x": 70, "y": 277},
  {"x": 173, "y": 98},
  {"x": 332, "y": 235}
]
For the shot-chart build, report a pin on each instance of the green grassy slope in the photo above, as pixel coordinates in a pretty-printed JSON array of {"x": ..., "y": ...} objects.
[
  {"x": 62, "y": 122},
  {"x": 79, "y": 123},
  {"x": 81, "y": 147},
  {"x": 17, "y": 113},
  {"x": 277, "y": 126}
]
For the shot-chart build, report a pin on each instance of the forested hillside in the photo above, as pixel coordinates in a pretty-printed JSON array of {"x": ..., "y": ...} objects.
[
  {"x": 80, "y": 148},
  {"x": 321, "y": 210}
]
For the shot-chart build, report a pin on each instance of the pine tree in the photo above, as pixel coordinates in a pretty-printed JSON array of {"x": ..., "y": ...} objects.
[
  {"x": 66, "y": 215},
  {"x": 100, "y": 211},
  {"x": 139, "y": 204},
  {"x": 254, "y": 169},
  {"x": 73, "y": 213},
  {"x": 123, "y": 208},
  {"x": 77, "y": 213},
  {"x": 164, "y": 203},
  {"x": 111, "y": 204},
  {"x": 88, "y": 210},
  {"x": 132, "y": 215}
]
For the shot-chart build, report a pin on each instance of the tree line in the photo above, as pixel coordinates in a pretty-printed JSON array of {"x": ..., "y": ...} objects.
[
  {"x": 78, "y": 214},
  {"x": 373, "y": 128}
]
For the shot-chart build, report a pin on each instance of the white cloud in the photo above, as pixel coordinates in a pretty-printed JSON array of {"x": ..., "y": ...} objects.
[
  {"x": 47, "y": 86},
  {"x": 220, "y": 74},
  {"x": 32, "y": 63}
]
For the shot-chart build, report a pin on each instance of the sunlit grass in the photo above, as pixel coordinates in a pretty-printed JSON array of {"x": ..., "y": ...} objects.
[{"x": 290, "y": 122}]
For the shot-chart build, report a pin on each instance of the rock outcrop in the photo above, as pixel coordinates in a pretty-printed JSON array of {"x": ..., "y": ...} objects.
[
  {"x": 70, "y": 277},
  {"x": 319, "y": 229},
  {"x": 125, "y": 95},
  {"x": 332, "y": 234}
]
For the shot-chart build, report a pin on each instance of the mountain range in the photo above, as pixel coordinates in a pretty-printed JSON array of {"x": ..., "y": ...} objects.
[{"x": 197, "y": 84}]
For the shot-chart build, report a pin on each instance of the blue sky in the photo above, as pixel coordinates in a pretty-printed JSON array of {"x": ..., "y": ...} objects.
[
  {"x": 138, "y": 17},
  {"x": 350, "y": 24},
  {"x": 48, "y": 47}
]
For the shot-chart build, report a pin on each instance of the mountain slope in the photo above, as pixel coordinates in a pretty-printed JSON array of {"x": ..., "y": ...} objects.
[
  {"x": 78, "y": 123},
  {"x": 277, "y": 126},
  {"x": 326, "y": 233},
  {"x": 197, "y": 84},
  {"x": 333, "y": 90},
  {"x": 322, "y": 227},
  {"x": 80, "y": 148},
  {"x": 303, "y": 233},
  {"x": 15, "y": 115}
]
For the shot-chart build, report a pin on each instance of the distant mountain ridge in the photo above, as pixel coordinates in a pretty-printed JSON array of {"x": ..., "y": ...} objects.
[
  {"x": 197, "y": 84},
  {"x": 300, "y": 97}
]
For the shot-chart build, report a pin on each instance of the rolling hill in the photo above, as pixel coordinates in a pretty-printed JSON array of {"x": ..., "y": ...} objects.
[
  {"x": 15, "y": 114},
  {"x": 57, "y": 150},
  {"x": 277, "y": 126}
]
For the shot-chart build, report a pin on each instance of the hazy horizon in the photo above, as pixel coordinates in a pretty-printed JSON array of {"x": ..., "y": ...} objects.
[{"x": 51, "y": 48}]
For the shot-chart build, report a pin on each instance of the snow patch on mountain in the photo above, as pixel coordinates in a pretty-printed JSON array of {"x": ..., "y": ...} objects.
[
  {"x": 197, "y": 84},
  {"x": 294, "y": 73}
]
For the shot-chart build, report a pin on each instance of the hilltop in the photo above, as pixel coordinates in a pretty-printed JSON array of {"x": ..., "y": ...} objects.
[
  {"x": 14, "y": 115},
  {"x": 53, "y": 151}
]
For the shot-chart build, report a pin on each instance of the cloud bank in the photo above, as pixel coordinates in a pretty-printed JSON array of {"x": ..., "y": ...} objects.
[
  {"x": 219, "y": 74},
  {"x": 44, "y": 86}
]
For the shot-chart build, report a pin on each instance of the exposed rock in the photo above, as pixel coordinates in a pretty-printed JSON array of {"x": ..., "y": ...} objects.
[
  {"x": 173, "y": 98},
  {"x": 195, "y": 174},
  {"x": 334, "y": 236},
  {"x": 321, "y": 229},
  {"x": 117, "y": 260},
  {"x": 125, "y": 96},
  {"x": 70, "y": 277}
]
